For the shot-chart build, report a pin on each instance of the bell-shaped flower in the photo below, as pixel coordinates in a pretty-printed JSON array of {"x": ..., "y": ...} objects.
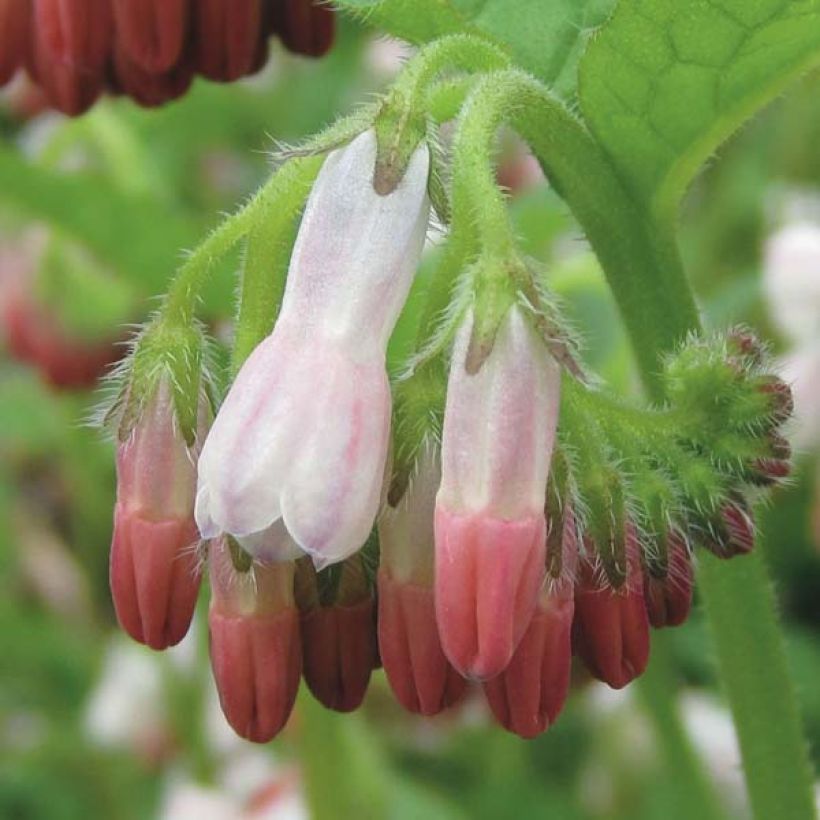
[
  {"x": 530, "y": 693},
  {"x": 229, "y": 38},
  {"x": 339, "y": 648},
  {"x": 297, "y": 453},
  {"x": 611, "y": 628},
  {"x": 499, "y": 429},
  {"x": 256, "y": 654},
  {"x": 418, "y": 671},
  {"x": 154, "y": 570}
]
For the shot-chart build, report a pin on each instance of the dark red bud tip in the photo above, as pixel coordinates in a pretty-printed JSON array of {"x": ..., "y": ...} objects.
[
  {"x": 155, "y": 577},
  {"x": 146, "y": 88},
  {"x": 669, "y": 599},
  {"x": 611, "y": 627},
  {"x": 14, "y": 31},
  {"x": 422, "y": 679},
  {"x": 70, "y": 44},
  {"x": 305, "y": 26},
  {"x": 229, "y": 38},
  {"x": 744, "y": 343},
  {"x": 780, "y": 397},
  {"x": 339, "y": 651},
  {"x": 530, "y": 694},
  {"x": 152, "y": 33}
]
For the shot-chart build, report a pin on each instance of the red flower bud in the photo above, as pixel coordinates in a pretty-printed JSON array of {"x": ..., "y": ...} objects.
[
  {"x": 338, "y": 635},
  {"x": 14, "y": 30},
  {"x": 154, "y": 570},
  {"x": 528, "y": 695},
  {"x": 421, "y": 677},
  {"x": 256, "y": 653},
  {"x": 152, "y": 33},
  {"x": 71, "y": 43},
  {"x": 611, "y": 628},
  {"x": 229, "y": 38},
  {"x": 669, "y": 598},
  {"x": 146, "y": 88},
  {"x": 304, "y": 26}
]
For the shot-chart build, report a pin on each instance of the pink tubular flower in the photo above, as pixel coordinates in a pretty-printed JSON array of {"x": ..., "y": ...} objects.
[
  {"x": 530, "y": 693},
  {"x": 339, "y": 638},
  {"x": 154, "y": 570},
  {"x": 256, "y": 655},
  {"x": 499, "y": 428},
  {"x": 419, "y": 673},
  {"x": 611, "y": 629},
  {"x": 296, "y": 455}
]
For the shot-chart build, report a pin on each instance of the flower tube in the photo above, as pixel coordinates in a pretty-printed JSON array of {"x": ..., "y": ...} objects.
[
  {"x": 299, "y": 446},
  {"x": 499, "y": 429}
]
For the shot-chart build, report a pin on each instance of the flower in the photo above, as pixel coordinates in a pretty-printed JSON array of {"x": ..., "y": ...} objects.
[
  {"x": 229, "y": 38},
  {"x": 530, "y": 693},
  {"x": 14, "y": 27},
  {"x": 154, "y": 570},
  {"x": 499, "y": 428},
  {"x": 669, "y": 598},
  {"x": 152, "y": 33},
  {"x": 421, "y": 677},
  {"x": 339, "y": 636},
  {"x": 611, "y": 629},
  {"x": 256, "y": 654},
  {"x": 296, "y": 457}
]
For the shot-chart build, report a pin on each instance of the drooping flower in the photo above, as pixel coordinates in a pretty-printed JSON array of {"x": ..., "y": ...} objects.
[
  {"x": 669, "y": 597},
  {"x": 499, "y": 429},
  {"x": 14, "y": 28},
  {"x": 154, "y": 572},
  {"x": 256, "y": 654},
  {"x": 297, "y": 452},
  {"x": 152, "y": 33},
  {"x": 611, "y": 628},
  {"x": 530, "y": 693},
  {"x": 421, "y": 677},
  {"x": 339, "y": 648}
]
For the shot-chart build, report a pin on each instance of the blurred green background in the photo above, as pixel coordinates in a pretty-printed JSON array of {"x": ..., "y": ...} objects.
[{"x": 92, "y": 725}]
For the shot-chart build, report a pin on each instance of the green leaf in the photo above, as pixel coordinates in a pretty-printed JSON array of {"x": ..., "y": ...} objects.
[
  {"x": 666, "y": 81},
  {"x": 546, "y": 39}
]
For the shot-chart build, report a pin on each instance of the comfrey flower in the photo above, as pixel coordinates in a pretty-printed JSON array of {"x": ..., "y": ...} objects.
[
  {"x": 499, "y": 428},
  {"x": 155, "y": 571},
  {"x": 296, "y": 457}
]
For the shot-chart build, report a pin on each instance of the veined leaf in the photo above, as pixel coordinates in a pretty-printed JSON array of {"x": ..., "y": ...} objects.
[
  {"x": 546, "y": 37},
  {"x": 666, "y": 81}
]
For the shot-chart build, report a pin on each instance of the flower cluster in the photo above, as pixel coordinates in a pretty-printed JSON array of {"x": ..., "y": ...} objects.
[
  {"x": 149, "y": 50},
  {"x": 450, "y": 528}
]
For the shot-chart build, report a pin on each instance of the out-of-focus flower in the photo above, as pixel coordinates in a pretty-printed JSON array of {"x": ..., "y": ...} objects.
[
  {"x": 14, "y": 27},
  {"x": 421, "y": 677},
  {"x": 155, "y": 571},
  {"x": 256, "y": 654},
  {"x": 499, "y": 427},
  {"x": 298, "y": 449},
  {"x": 338, "y": 633}
]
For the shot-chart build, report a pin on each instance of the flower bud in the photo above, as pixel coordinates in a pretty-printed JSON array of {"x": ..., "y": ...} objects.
[
  {"x": 421, "y": 677},
  {"x": 147, "y": 88},
  {"x": 611, "y": 628},
  {"x": 14, "y": 33},
  {"x": 70, "y": 45},
  {"x": 256, "y": 653},
  {"x": 730, "y": 531},
  {"x": 338, "y": 637},
  {"x": 529, "y": 694},
  {"x": 499, "y": 427},
  {"x": 229, "y": 38},
  {"x": 301, "y": 440},
  {"x": 154, "y": 570},
  {"x": 151, "y": 34},
  {"x": 305, "y": 26},
  {"x": 669, "y": 597}
]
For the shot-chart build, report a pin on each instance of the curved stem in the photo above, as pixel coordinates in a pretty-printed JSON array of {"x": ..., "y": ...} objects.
[{"x": 267, "y": 257}]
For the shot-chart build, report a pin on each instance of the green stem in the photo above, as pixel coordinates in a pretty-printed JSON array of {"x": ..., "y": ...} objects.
[
  {"x": 267, "y": 256},
  {"x": 642, "y": 264},
  {"x": 180, "y": 304}
]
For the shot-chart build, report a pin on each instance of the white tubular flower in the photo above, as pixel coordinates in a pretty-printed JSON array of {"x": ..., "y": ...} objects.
[{"x": 296, "y": 456}]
